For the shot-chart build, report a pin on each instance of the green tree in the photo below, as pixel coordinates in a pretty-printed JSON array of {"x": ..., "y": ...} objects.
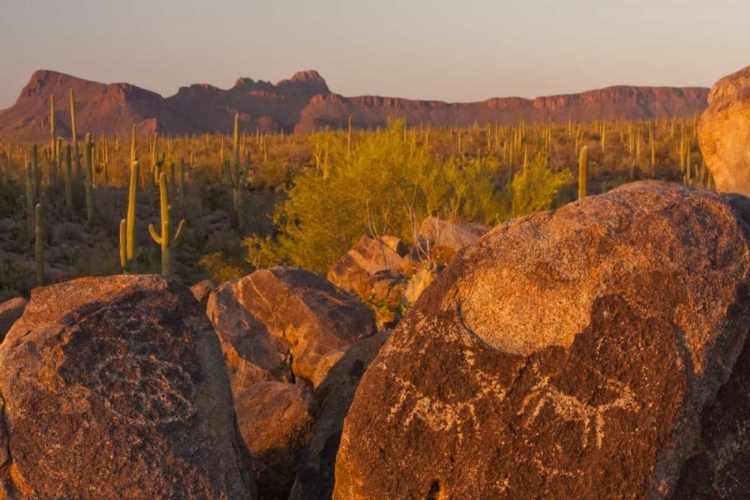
[{"x": 535, "y": 187}]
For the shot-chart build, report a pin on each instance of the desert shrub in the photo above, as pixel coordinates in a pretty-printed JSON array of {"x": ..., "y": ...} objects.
[
  {"x": 385, "y": 183},
  {"x": 16, "y": 280},
  {"x": 222, "y": 268},
  {"x": 535, "y": 187}
]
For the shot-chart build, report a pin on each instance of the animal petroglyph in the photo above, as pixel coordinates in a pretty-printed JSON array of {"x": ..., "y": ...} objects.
[
  {"x": 143, "y": 389},
  {"x": 572, "y": 409},
  {"x": 442, "y": 415}
]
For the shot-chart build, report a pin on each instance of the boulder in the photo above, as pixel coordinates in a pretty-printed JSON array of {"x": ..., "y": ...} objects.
[
  {"x": 10, "y": 311},
  {"x": 354, "y": 271},
  {"x": 724, "y": 133},
  {"x": 326, "y": 363},
  {"x": 418, "y": 284},
  {"x": 444, "y": 238},
  {"x": 275, "y": 425},
  {"x": 597, "y": 351},
  {"x": 115, "y": 388},
  {"x": 330, "y": 404},
  {"x": 372, "y": 270},
  {"x": 202, "y": 290},
  {"x": 277, "y": 324}
]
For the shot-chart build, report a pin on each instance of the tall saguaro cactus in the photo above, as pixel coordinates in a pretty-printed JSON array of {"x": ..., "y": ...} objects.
[
  {"x": 583, "y": 172},
  {"x": 127, "y": 226},
  {"x": 39, "y": 244},
  {"x": 165, "y": 239},
  {"x": 52, "y": 141},
  {"x": 68, "y": 177},
  {"x": 89, "y": 181},
  {"x": 30, "y": 194},
  {"x": 74, "y": 133}
]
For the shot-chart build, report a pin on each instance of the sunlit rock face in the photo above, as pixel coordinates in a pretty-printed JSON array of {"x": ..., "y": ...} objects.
[
  {"x": 597, "y": 351},
  {"x": 116, "y": 388},
  {"x": 724, "y": 133}
]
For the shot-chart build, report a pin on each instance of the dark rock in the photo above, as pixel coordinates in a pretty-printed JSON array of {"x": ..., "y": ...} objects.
[
  {"x": 275, "y": 424},
  {"x": 588, "y": 353},
  {"x": 331, "y": 402},
  {"x": 115, "y": 388}
]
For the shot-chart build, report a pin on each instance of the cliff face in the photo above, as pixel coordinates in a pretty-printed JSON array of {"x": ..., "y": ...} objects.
[
  {"x": 303, "y": 104},
  {"x": 100, "y": 108}
]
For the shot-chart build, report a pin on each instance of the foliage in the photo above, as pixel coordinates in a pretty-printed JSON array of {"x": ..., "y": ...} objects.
[
  {"x": 534, "y": 189},
  {"x": 385, "y": 183},
  {"x": 223, "y": 269}
]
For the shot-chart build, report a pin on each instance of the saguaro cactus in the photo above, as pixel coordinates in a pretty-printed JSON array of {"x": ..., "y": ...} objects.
[
  {"x": 68, "y": 177},
  {"x": 52, "y": 140},
  {"x": 30, "y": 194},
  {"x": 127, "y": 226},
  {"x": 583, "y": 172},
  {"x": 164, "y": 239},
  {"x": 39, "y": 244},
  {"x": 89, "y": 182},
  {"x": 74, "y": 133}
]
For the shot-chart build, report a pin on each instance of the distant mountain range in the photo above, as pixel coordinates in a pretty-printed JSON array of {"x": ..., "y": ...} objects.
[{"x": 304, "y": 104}]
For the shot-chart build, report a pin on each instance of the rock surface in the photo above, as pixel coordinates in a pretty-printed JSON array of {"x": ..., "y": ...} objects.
[
  {"x": 202, "y": 290},
  {"x": 277, "y": 324},
  {"x": 275, "y": 425},
  {"x": 330, "y": 404},
  {"x": 10, "y": 311},
  {"x": 445, "y": 238},
  {"x": 724, "y": 133},
  {"x": 115, "y": 388},
  {"x": 591, "y": 352},
  {"x": 304, "y": 104},
  {"x": 355, "y": 271}
]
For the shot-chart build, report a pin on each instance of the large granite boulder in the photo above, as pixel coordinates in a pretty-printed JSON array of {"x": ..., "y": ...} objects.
[
  {"x": 275, "y": 423},
  {"x": 724, "y": 133},
  {"x": 329, "y": 406},
  {"x": 115, "y": 388},
  {"x": 591, "y": 352},
  {"x": 277, "y": 324},
  {"x": 10, "y": 312}
]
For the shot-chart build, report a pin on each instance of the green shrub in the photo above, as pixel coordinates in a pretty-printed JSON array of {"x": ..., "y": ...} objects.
[
  {"x": 535, "y": 187},
  {"x": 386, "y": 183}
]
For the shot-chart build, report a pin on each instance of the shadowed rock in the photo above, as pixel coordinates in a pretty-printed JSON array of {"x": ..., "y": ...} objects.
[
  {"x": 115, "y": 388},
  {"x": 275, "y": 425},
  {"x": 724, "y": 133},
  {"x": 10, "y": 311},
  {"x": 591, "y": 352},
  {"x": 331, "y": 402}
]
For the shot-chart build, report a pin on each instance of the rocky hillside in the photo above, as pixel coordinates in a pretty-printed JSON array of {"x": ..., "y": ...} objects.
[{"x": 303, "y": 104}]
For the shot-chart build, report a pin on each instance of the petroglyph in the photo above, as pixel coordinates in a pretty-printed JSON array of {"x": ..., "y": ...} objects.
[
  {"x": 140, "y": 388},
  {"x": 572, "y": 409},
  {"x": 440, "y": 415}
]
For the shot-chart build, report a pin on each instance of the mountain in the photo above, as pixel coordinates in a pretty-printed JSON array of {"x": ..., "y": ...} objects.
[{"x": 303, "y": 104}]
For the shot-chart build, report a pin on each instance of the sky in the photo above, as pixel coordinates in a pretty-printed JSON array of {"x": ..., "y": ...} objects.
[{"x": 438, "y": 49}]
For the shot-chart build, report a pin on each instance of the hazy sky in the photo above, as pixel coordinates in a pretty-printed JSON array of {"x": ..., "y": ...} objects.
[{"x": 449, "y": 50}]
